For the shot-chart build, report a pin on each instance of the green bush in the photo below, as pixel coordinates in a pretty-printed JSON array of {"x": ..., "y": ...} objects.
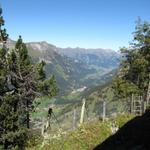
[{"x": 34, "y": 138}]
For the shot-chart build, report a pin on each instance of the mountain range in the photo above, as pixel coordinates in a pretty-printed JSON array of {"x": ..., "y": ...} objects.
[{"x": 73, "y": 67}]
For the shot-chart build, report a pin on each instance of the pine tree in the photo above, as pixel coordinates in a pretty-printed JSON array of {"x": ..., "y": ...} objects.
[
  {"x": 11, "y": 135},
  {"x": 134, "y": 73},
  {"x": 21, "y": 81},
  {"x": 29, "y": 80}
]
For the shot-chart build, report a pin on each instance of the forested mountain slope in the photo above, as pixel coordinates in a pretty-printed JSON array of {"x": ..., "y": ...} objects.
[{"x": 73, "y": 68}]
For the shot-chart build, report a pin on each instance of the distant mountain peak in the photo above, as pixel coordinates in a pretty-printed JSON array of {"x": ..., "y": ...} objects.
[{"x": 41, "y": 46}]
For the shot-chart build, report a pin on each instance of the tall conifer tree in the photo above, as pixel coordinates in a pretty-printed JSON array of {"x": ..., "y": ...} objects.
[
  {"x": 21, "y": 82},
  {"x": 134, "y": 73},
  {"x": 11, "y": 134}
]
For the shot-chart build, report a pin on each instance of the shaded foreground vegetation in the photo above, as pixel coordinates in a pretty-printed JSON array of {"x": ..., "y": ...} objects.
[{"x": 134, "y": 135}]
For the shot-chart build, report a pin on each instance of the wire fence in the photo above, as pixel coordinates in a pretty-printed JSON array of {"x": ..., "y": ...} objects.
[
  {"x": 61, "y": 124},
  {"x": 93, "y": 111}
]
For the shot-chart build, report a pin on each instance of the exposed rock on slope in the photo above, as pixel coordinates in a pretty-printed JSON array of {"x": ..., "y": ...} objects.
[{"x": 106, "y": 58}]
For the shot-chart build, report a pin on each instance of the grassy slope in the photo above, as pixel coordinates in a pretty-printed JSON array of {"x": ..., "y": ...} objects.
[{"x": 84, "y": 138}]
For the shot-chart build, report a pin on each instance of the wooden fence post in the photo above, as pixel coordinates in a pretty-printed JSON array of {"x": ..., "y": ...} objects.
[
  {"x": 43, "y": 127},
  {"x": 132, "y": 103},
  {"x": 148, "y": 94},
  {"x": 82, "y": 112},
  {"x": 74, "y": 118},
  {"x": 104, "y": 110}
]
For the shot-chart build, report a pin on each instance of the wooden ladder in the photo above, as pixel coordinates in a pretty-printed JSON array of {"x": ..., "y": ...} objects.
[{"x": 137, "y": 106}]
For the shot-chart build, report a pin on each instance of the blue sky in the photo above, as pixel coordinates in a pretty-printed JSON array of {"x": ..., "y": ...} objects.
[{"x": 75, "y": 23}]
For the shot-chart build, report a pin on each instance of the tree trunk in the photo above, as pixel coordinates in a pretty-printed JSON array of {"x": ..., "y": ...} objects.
[
  {"x": 28, "y": 115},
  {"x": 6, "y": 145}
]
